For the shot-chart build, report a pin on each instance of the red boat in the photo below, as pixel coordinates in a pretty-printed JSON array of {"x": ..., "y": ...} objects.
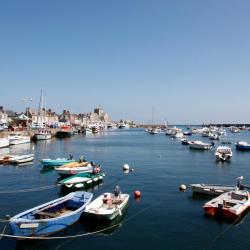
[{"x": 229, "y": 205}]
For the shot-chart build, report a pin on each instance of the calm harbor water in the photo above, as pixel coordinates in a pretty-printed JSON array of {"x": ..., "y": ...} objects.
[{"x": 164, "y": 217}]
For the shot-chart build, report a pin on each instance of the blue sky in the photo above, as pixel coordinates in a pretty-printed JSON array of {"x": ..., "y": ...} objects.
[{"x": 187, "y": 59}]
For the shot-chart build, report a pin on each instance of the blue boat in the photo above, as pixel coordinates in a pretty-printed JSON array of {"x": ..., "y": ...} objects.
[
  {"x": 242, "y": 145},
  {"x": 55, "y": 162},
  {"x": 50, "y": 217}
]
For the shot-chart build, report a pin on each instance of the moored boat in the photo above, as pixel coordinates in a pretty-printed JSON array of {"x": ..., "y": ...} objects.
[
  {"x": 55, "y": 162},
  {"x": 242, "y": 145},
  {"x": 4, "y": 142},
  {"x": 229, "y": 205},
  {"x": 211, "y": 189},
  {"x": 73, "y": 168},
  {"x": 223, "y": 153},
  {"x": 107, "y": 206},
  {"x": 50, "y": 217},
  {"x": 42, "y": 135},
  {"x": 81, "y": 180},
  {"x": 16, "y": 138},
  {"x": 200, "y": 145},
  {"x": 22, "y": 158},
  {"x": 65, "y": 131}
]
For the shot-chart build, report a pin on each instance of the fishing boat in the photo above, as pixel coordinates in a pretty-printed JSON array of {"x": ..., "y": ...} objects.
[
  {"x": 65, "y": 131},
  {"x": 17, "y": 138},
  {"x": 223, "y": 153},
  {"x": 107, "y": 206},
  {"x": 22, "y": 158},
  {"x": 42, "y": 135},
  {"x": 50, "y": 217},
  {"x": 55, "y": 162},
  {"x": 81, "y": 180},
  {"x": 4, "y": 142},
  {"x": 73, "y": 168},
  {"x": 242, "y": 145},
  {"x": 200, "y": 145},
  {"x": 229, "y": 205}
]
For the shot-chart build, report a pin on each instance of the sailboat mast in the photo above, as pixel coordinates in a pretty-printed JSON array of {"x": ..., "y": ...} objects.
[{"x": 39, "y": 107}]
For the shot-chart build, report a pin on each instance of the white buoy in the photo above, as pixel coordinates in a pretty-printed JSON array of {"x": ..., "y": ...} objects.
[
  {"x": 125, "y": 166},
  {"x": 183, "y": 187}
]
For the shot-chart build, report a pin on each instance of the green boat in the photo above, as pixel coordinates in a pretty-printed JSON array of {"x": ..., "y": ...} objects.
[{"x": 81, "y": 180}]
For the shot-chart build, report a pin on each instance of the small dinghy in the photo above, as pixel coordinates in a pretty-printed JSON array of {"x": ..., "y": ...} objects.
[
  {"x": 223, "y": 153},
  {"x": 22, "y": 158},
  {"x": 211, "y": 189},
  {"x": 229, "y": 205},
  {"x": 81, "y": 180},
  {"x": 46, "y": 163},
  {"x": 50, "y": 217},
  {"x": 75, "y": 168},
  {"x": 107, "y": 206},
  {"x": 217, "y": 189}
]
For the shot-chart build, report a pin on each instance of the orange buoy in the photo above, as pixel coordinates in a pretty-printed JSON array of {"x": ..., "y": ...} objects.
[{"x": 137, "y": 194}]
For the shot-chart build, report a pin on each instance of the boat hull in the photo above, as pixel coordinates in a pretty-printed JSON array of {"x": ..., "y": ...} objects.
[
  {"x": 243, "y": 147},
  {"x": 4, "y": 142},
  {"x": 99, "y": 210},
  {"x": 51, "y": 163},
  {"x": 39, "y": 137},
  {"x": 63, "y": 134},
  {"x": 21, "y": 225},
  {"x": 19, "y": 141}
]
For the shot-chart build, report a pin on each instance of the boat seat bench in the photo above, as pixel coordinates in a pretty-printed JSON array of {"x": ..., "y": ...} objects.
[{"x": 47, "y": 214}]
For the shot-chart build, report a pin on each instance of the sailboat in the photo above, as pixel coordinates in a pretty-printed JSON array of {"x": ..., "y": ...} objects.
[
  {"x": 153, "y": 130},
  {"x": 42, "y": 134}
]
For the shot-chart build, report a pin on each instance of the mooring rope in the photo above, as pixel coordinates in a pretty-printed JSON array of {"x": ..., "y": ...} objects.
[
  {"x": 2, "y": 232},
  {"x": 84, "y": 234}
]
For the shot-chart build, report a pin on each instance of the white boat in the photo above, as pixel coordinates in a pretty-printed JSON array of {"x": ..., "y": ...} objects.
[
  {"x": 200, "y": 145},
  {"x": 154, "y": 131},
  {"x": 178, "y": 134},
  {"x": 107, "y": 206},
  {"x": 214, "y": 137},
  {"x": 22, "y": 158},
  {"x": 73, "y": 168},
  {"x": 229, "y": 205},
  {"x": 16, "y": 138},
  {"x": 4, "y": 142},
  {"x": 223, "y": 153},
  {"x": 211, "y": 189},
  {"x": 87, "y": 131},
  {"x": 42, "y": 135}
]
